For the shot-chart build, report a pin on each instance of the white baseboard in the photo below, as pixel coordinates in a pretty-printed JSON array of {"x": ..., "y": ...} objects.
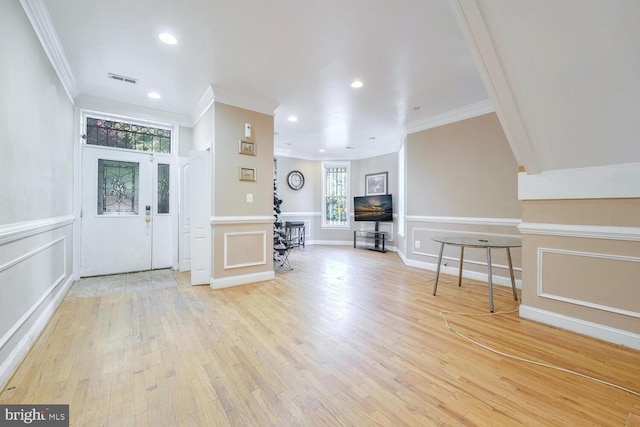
[
  {"x": 330, "y": 242},
  {"x": 595, "y": 330},
  {"x": 453, "y": 271},
  {"x": 245, "y": 279},
  {"x": 20, "y": 351},
  {"x": 343, "y": 243}
]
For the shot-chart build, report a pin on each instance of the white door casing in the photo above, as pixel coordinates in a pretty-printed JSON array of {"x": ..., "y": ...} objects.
[
  {"x": 199, "y": 179},
  {"x": 184, "y": 248}
]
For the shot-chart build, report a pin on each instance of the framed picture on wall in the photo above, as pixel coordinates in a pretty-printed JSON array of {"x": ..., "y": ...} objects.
[
  {"x": 375, "y": 184},
  {"x": 247, "y": 147},
  {"x": 247, "y": 174}
]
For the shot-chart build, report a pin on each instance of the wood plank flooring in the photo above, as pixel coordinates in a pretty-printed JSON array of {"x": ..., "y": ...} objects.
[{"x": 347, "y": 338}]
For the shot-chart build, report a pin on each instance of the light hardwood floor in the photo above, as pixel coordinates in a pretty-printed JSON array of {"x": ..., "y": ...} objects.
[{"x": 347, "y": 338}]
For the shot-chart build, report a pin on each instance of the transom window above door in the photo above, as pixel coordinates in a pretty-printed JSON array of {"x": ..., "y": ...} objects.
[{"x": 110, "y": 133}]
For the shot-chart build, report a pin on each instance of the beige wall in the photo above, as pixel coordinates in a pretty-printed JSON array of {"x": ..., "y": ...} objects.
[
  {"x": 461, "y": 179},
  {"x": 582, "y": 259},
  {"x": 242, "y": 231},
  {"x": 462, "y": 169}
]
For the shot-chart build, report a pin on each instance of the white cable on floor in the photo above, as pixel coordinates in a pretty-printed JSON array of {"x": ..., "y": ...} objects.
[{"x": 546, "y": 365}]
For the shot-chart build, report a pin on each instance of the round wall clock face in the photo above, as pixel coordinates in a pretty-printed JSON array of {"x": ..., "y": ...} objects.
[{"x": 295, "y": 180}]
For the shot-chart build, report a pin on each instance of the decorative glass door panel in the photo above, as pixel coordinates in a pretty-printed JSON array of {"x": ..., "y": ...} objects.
[
  {"x": 164, "y": 185},
  {"x": 118, "y": 184}
]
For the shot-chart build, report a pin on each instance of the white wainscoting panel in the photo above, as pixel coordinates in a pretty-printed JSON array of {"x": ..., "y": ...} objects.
[
  {"x": 241, "y": 238},
  {"x": 589, "y": 259},
  {"x": 35, "y": 263}
]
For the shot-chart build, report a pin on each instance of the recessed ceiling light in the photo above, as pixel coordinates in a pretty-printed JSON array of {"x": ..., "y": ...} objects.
[
  {"x": 292, "y": 119},
  {"x": 322, "y": 150},
  {"x": 357, "y": 84},
  {"x": 154, "y": 95},
  {"x": 167, "y": 38}
]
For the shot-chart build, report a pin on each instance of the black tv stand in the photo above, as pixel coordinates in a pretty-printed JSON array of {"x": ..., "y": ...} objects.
[{"x": 370, "y": 239}]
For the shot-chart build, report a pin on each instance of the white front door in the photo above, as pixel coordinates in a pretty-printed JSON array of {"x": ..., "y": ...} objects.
[{"x": 126, "y": 220}]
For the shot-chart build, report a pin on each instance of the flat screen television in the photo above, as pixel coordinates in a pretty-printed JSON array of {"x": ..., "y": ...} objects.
[{"x": 373, "y": 208}]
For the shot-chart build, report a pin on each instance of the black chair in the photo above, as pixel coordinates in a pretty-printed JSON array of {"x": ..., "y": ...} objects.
[{"x": 281, "y": 252}]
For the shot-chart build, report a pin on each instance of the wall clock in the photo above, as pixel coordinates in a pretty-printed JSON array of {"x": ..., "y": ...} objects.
[{"x": 295, "y": 179}]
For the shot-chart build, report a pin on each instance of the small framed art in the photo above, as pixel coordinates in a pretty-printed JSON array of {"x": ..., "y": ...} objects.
[
  {"x": 247, "y": 174},
  {"x": 247, "y": 147},
  {"x": 376, "y": 184}
]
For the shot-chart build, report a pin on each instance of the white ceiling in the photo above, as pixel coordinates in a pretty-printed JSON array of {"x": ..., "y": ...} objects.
[{"x": 283, "y": 57}]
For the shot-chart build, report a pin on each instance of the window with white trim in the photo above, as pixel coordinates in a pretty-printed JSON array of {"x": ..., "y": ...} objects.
[{"x": 335, "y": 194}]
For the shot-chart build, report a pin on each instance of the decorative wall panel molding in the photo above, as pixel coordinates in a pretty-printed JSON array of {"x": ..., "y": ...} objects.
[
  {"x": 591, "y": 257},
  {"x": 55, "y": 249},
  {"x": 34, "y": 277},
  {"x": 241, "y": 239}
]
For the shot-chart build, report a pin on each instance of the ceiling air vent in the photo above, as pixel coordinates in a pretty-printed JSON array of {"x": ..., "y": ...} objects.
[{"x": 123, "y": 78}]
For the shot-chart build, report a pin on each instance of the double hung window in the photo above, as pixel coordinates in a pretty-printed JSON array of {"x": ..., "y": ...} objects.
[{"x": 335, "y": 194}]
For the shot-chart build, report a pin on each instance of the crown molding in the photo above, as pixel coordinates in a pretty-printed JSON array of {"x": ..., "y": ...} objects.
[
  {"x": 203, "y": 105},
  {"x": 462, "y": 113},
  {"x": 40, "y": 20},
  {"x": 248, "y": 103}
]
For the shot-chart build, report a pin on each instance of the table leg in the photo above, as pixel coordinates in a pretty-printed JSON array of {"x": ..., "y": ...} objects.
[
  {"x": 490, "y": 279},
  {"x": 435, "y": 285},
  {"x": 461, "y": 258},
  {"x": 513, "y": 281}
]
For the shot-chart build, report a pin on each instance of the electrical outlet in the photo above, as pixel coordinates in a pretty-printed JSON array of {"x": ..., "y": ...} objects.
[
  {"x": 417, "y": 244},
  {"x": 249, "y": 197}
]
